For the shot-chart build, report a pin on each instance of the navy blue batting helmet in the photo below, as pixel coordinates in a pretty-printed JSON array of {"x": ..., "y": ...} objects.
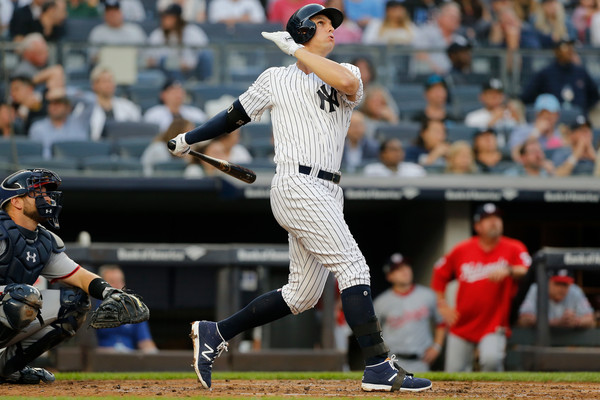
[
  {"x": 30, "y": 182},
  {"x": 303, "y": 29}
]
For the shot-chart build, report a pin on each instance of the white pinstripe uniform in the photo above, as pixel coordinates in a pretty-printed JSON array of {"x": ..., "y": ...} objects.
[{"x": 310, "y": 121}]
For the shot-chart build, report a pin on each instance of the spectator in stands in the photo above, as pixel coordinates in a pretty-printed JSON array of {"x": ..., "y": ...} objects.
[
  {"x": 114, "y": 30},
  {"x": 132, "y": 10},
  {"x": 568, "y": 307},
  {"x": 436, "y": 97},
  {"x": 578, "y": 156},
  {"x": 485, "y": 148},
  {"x": 43, "y": 16},
  {"x": 199, "y": 169},
  {"x": 531, "y": 161},
  {"x": 496, "y": 112},
  {"x": 157, "y": 151},
  {"x": 431, "y": 147},
  {"x": 29, "y": 105},
  {"x": 524, "y": 9},
  {"x": 34, "y": 63},
  {"x": 487, "y": 267},
  {"x": 358, "y": 149},
  {"x": 368, "y": 72},
  {"x": 83, "y": 9},
  {"x": 423, "y": 11},
  {"x": 348, "y": 31},
  {"x": 106, "y": 106},
  {"x": 544, "y": 127},
  {"x": 581, "y": 18},
  {"x": 595, "y": 30},
  {"x": 128, "y": 337},
  {"x": 378, "y": 107},
  {"x": 232, "y": 148},
  {"x": 552, "y": 24},
  {"x": 172, "y": 97},
  {"x": 565, "y": 78},
  {"x": 281, "y": 10},
  {"x": 460, "y": 54},
  {"x": 460, "y": 158},
  {"x": 436, "y": 34},
  {"x": 395, "y": 28},
  {"x": 59, "y": 125},
  {"x": 363, "y": 11},
  {"x": 194, "y": 11},
  {"x": 7, "y": 8},
  {"x": 475, "y": 13},
  {"x": 510, "y": 32},
  {"x": 407, "y": 312},
  {"x": 8, "y": 126},
  {"x": 166, "y": 48},
  {"x": 391, "y": 162},
  {"x": 231, "y": 12}
]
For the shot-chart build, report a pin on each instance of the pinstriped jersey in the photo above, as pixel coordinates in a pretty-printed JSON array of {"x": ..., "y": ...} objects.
[{"x": 310, "y": 118}]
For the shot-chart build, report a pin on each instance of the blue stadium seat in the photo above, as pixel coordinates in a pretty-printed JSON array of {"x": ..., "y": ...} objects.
[
  {"x": 459, "y": 132},
  {"x": 131, "y": 147},
  {"x": 255, "y": 131},
  {"x": 128, "y": 129},
  {"x": 78, "y": 29},
  {"x": 217, "y": 33},
  {"x": 171, "y": 167},
  {"x": 111, "y": 164},
  {"x": 19, "y": 147},
  {"x": 79, "y": 149},
  {"x": 66, "y": 166},
  {"x": 407, "y": 92},
  {"x": 201, "y": 92},
  {"x": 405, "y": 131},
  {"x": 251, "y": 33}
]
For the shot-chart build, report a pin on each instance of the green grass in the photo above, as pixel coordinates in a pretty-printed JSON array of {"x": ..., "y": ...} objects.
[{"x": 592, "y": 377}]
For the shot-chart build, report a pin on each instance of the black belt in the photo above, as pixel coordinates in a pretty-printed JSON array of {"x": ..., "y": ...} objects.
[
  {"x": 328, "y": 176},
  {"x": 408, "y": 356}
]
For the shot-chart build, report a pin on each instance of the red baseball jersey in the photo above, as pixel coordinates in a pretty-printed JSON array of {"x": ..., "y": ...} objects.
[{"x": 484, "y": 306}]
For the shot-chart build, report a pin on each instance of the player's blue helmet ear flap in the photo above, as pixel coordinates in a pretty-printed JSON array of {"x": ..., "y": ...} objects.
[
  {"x": 303, "y": 29},
  {"x": 31, "y": 182}
]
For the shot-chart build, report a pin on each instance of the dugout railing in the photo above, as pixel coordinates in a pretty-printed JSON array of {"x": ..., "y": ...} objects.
[{"x": 555, "y": 349}]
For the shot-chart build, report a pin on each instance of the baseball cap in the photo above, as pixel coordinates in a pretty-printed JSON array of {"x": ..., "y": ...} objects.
[
  {"x": 396, "y": 261},
  {"x": 112, "y": 4},
  {"x": 546, "y": 101},
  {"x": 173, "y": 9},
  {"x": 394, "y": 3},
  {"x": 459, "y": 43},
  {"x": 481, "y": 131},
  {"x": 485, "y": 210},
  {"x": 580, "y": 120},
  {"x": 562, "y": 276},
  {"x": 169, "y": 83},
  {"x": 433, "y": 80},
  {"x": 493, "y": 84}
]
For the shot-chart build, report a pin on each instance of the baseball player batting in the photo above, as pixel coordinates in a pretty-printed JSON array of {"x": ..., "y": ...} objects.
[{"x": 311, "y": 103}]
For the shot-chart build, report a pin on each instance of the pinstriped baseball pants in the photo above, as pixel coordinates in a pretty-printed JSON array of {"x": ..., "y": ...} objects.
[{"x": 311, "y": 211}]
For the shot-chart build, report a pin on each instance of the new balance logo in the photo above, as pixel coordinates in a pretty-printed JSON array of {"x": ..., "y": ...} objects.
[
  {"x": 206, "y": 353},
  {"x": 31, "y": 257},
  {"x": 330, "y": 98}
]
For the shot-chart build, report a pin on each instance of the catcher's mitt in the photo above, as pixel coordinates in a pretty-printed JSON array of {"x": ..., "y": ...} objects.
[{"x": 118, "y": 308}]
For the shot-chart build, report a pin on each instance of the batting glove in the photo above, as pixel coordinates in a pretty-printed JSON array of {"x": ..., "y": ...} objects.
[
  {"x": 284, "y": 41},
  {"x": 181, "y": 146}
]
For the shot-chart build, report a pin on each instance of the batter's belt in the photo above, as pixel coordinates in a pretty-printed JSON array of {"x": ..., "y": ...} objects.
[{"x": 325, "y": 175}]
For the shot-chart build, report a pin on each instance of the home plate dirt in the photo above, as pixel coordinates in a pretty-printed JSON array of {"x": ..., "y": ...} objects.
[{"x": 305, "y": 388}]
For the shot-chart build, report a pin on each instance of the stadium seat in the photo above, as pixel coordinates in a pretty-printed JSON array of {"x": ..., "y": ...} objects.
[
  {"x": 19, "y": 147},
  {"x": 251, "y": 32},
  {"x": 202, "y": 93},
  {"x": 66, "y": 166},
  {"x": 217, "y": 33},
  {"x": 79, "y": 149},
  {"x": 128, "y": 129},
  {"x": 172, "y": 167},
  {"x": 405, "y": 131},
  {"x": 261, "y": 148},
  {"x": 407, "y": 92},
  {"x": 131, "y": 147},
  {"x": 111, "y": 164},
  {"x": 255, "y": 131},
  {"x": 459, "y": 132},
  {"x": 78, "y": 29}
]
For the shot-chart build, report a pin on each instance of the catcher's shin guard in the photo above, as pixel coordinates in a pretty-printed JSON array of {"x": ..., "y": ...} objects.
[{"x": 74, "y": 305}]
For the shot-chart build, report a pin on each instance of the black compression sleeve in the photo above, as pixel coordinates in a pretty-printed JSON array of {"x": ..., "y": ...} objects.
[
  {"x": 224, "y": 122},
  {"x": 96, "y": 288}
]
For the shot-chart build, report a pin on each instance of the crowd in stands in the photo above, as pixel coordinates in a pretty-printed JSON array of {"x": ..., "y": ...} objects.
[{"x": 429, "y": 125}]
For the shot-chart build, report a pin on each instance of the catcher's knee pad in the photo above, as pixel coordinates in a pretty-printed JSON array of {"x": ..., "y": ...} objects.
[
  {"x": 19, "y": 305},
  {"x": 74, "y": 305}
]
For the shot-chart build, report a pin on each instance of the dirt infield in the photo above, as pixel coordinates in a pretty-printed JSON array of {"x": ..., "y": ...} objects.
[{"x": 306, "y": 388}]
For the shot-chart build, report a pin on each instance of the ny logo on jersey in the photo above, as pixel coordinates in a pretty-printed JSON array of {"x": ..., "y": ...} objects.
[
  {"x": 331, "y": 98},
  {"x": 31, "y": 257}
]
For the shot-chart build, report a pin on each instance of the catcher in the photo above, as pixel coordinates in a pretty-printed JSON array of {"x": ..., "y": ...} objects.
[{"x": 34, "y": 321}]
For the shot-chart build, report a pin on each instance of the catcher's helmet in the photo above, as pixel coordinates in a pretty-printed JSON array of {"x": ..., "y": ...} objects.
[
  {"x": 30, "y": 182},
  {"x": 303, "y": 29}
]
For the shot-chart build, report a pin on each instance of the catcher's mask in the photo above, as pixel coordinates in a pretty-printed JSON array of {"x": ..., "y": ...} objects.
[
  {"x": 302, "y": 29},
  {"x": 29, "y": 182}
]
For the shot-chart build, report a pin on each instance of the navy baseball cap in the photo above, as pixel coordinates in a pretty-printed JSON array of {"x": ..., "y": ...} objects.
[
  {"x": 396, "y": 261},
  {"x": 112, "y": 4},
  {"x": 460, "y": 43},
  {"x": 481, "y": 131},
  {"x": 486, "y": 210},
  {"x": 580, "y": 120},
  {"x": 493, "y": 84}
]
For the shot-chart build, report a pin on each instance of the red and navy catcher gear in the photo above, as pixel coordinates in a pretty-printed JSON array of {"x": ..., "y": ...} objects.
[
  {"x": 30, "y": 182},
  {"x": 303, "y": 29}
]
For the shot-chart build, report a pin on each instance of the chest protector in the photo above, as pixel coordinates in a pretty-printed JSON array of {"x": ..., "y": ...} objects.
[{"x": 24, "y": 259}]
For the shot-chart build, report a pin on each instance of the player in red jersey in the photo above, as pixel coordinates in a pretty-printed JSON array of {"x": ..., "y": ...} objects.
[{"x": 487, "y": 267}]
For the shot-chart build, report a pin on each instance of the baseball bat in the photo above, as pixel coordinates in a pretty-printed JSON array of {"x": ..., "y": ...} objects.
[{"x": 237, "y": 171}]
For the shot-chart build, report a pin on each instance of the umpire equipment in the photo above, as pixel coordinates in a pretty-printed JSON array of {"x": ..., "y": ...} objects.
[{"x": 303, "y": 29}]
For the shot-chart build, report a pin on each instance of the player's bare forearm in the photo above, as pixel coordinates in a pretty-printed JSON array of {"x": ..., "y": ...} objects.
[{"x": 332, "y": 73}]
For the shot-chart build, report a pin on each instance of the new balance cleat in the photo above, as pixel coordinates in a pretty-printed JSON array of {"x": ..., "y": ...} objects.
[
  {"x": 208, "y": 345},
  {"x": 388, "y": 377},
  {"x": 29, "y": 376}
]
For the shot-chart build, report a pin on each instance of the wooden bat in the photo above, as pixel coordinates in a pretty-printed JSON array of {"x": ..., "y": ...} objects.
[{"x": 237, "y": 171}]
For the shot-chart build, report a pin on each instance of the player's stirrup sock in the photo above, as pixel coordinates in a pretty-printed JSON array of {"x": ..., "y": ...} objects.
[
  {"x": 360, "y": 315},
  {"x": 262, "y": 310}
]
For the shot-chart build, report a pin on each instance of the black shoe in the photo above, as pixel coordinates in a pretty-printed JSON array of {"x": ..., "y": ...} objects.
[{"x": 29, "y": 376}]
